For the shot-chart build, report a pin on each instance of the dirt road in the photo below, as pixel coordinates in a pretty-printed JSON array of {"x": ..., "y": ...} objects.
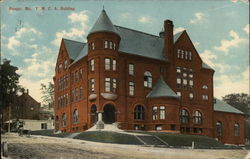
[{"x": 38, "y": 147}]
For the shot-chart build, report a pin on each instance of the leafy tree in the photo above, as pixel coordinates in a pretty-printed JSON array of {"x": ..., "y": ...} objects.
[
  {"x": 239, "y": 101},
  {"x": 9, "y": 80},
  {"x": 48, "y": 94}
]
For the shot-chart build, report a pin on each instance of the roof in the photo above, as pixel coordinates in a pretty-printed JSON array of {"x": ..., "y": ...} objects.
[
  {"x": 221, "y": 106},
  {"x": 103, "y": 23},
  {"x": 139, "y": 43},
  {"x": 161, "y": 89},
  {"x": 73, "y": 48}
]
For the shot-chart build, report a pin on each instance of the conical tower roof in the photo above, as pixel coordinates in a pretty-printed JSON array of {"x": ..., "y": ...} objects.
[{"x": 103, "y": 23}]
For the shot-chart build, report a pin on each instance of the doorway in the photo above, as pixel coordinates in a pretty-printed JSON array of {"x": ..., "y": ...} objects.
[{"x": 109, "y": 114}]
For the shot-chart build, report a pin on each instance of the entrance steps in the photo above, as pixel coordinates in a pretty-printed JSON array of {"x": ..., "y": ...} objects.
[
  {"x": 107, "y": 127},
  {"x": 151, "y": 140}
]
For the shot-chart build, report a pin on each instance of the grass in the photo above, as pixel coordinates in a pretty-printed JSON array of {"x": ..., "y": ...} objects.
[
  {"x": 108, "y": 137},
  {"x": 49, "y": 132}
]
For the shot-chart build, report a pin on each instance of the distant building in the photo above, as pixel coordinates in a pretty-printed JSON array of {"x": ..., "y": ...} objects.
[{"x": 142, "y": 82}]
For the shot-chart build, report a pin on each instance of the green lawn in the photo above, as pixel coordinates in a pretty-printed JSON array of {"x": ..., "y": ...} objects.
[{"x": 108, "y": 137}]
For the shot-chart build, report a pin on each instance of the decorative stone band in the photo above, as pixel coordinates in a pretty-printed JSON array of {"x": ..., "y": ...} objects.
[
  {"x": 109, "y": 96},
  {"x": 92, "y": 97}
]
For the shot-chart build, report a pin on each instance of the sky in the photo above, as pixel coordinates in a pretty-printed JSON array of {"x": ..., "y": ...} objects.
[{"x": 31, "y": 36}]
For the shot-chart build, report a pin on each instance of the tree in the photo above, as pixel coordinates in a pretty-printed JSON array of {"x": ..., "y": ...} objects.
[
  {"x": 48, "y": 94},
  {"x": 239, "y": 101},
  {"x": 9, "y": 80}
]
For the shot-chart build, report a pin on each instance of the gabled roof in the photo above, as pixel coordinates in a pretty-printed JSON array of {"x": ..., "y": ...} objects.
[
  {"x": 73, "y": 48},
  {"x": 103, "y": 23},
  {"x": 161, "y": 89},
  {"x": 221, "y": 106}
]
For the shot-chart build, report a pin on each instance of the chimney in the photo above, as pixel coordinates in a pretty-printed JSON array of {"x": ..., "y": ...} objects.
[
  {"x": 27, "y": 91},
  {"x": 168, "y": 40}
]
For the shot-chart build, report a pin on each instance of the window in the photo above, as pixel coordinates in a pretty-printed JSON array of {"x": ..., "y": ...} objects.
[
  {"x": 185, "y": 74},
  {"x": 80, "y": 73},
  {"x": 114, "y": 65},
  {"x": 190, "y": 55},
  {"x": 197, "y": 118},
  {"x": 184, "y": 116},
  {"x": 191, "y": 74},
  {"x": 162, "y": 113},
  {"x": 66, "y": 99},
  {"x": 131, "y": 88},
  {"x": 60, "y": 68},
  {"x": 92, "y": 85},
  {"x": 76, "y": 94},
  {"x": 105, "y": 44},
  {"x": 154, "y": 113},
  {"x": 178, "y": 53},
  {"x": 204, "y": 97},
  {"x": 191, "y": 96},
  {"x": 191, "y": 83},
  {"x": 147, "y": 79},
  {"x": 131, "y": 69},
  {"x": 139, "y": 113},
  {"x": 76, "y": 76},
  {"x": 158, "y": 127},
  {"x": 186, "y": 55},
  {"x": 110, "y": 44},
  {"x": 64, "y": 120},
  {"x": 43, "y": 125},
  {"x": 205, "y": 87},
  {"x": 114, "y": 46},
  {"x": 178, "y": 94},
  {"x": 65, "y": 64},
  {"x": 185, "y": 83},
  {"x": 114, "y": 85},
  {"x": 80, "y": 93},
  {"x": 219, "y": 128},
  {"x": 72, "y": 96},
  {"x": 75, "y": 116},
  {"x": 107, "y": 64},
  {"x": 182, "y": 54},
  {"x": 107, "y": 84},
  {"x": 92, "y": 65},
  {"x": 178, "y": 70},
  {"x": 66, "y": 81},
  {"x": 93, "y": 46},
  {"x": 236, "y": 129}
]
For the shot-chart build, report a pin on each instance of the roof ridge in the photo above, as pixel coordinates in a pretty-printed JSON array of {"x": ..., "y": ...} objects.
[
  {"x": 138, "y": 31},
  {"x": 73, "y": 40}
]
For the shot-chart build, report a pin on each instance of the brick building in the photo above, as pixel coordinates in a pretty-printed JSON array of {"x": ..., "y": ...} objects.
[{"x": 142, "y": 82}]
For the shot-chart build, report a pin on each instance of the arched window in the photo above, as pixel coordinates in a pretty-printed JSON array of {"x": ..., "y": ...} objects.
[
  {"x": 64, "y": 120},
  {"x": 219, "y": 128},
  {"x": 197, "y": 118},
  {"x": 57, "y": 123},
  {"x": 75, "y": 116},
  {"x": 139, "y": 113},
  {"x": 205, "y": 87},
  {"x": 236, "y": 129},
  {"x": 184, "y": 116},
  {"x": 147, "y": 79}
]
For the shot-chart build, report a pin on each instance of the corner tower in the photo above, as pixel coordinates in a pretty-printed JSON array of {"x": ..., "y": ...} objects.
[{"x": 103, "y": 43}]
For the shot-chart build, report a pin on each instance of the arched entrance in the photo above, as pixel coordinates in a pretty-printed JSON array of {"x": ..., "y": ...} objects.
[
  {"x": 109, "y": 114},
  {"x": 93, "y": 114}
]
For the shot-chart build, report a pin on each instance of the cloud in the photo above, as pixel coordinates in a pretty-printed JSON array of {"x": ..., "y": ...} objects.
[
  {"x": 225, "y": 45},
  {"x": 198, "y": 17},
  {"x": 246, "y": 28},
  {"x": 79, "y": 22},
  {"x": 232, "y": 84},
  {"x": 16, "y": 40},
  {"x": 244, "y": 1},
  {"x": 196, "y": 44},
  {"x": 208, "y": 57},
  {"x": 145, "y": 19},
  {"x": 179, "y": 29}
]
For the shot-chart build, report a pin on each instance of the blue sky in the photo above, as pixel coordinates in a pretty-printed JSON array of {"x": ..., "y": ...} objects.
[{"x": 218, "y": 29}]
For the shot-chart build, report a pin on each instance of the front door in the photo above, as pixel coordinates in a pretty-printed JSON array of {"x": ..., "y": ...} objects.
[{"x": 109, "y": 114}]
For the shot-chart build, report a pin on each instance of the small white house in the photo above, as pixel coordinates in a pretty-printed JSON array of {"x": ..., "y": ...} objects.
[{"x": 32, "y": 125}]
